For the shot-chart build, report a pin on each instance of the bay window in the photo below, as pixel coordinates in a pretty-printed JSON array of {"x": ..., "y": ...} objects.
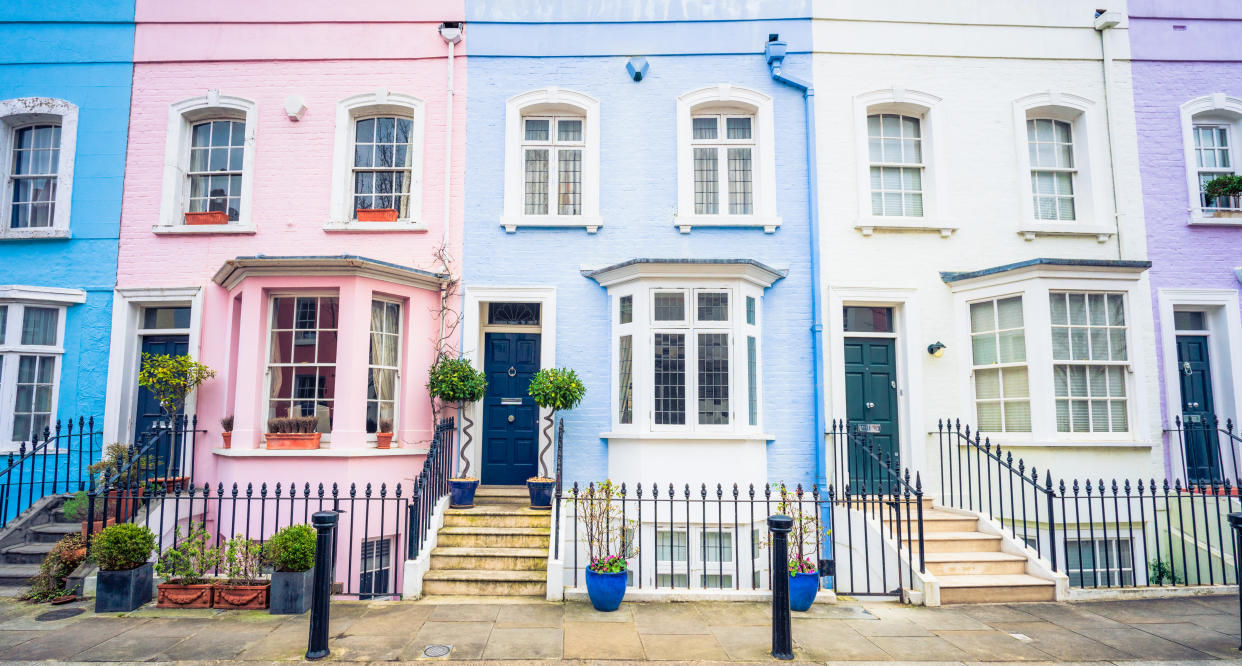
[
  {"x": 301, "y": 365},
  {"x": 998, "y": 356},
  {"x": 383, "y": 367},
  {"x": 1089, "y": 361}
]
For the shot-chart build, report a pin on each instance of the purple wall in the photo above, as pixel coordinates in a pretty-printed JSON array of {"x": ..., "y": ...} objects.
[{"x": 1182, "y": 50}]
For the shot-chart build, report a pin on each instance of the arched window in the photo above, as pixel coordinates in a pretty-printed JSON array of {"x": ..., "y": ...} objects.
[
  {"x": 551, "y": 160},
  {"x": 38, "y": 144},
  {"x": 1211, "y": 128},
  {"x": 208, "y": 165},
  {"x": 378, "y": 157}
]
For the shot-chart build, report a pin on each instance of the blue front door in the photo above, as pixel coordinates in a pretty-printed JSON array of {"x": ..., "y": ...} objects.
[
  {"x": 510, "y": 416},
  {"x": 168, "y": 453}
]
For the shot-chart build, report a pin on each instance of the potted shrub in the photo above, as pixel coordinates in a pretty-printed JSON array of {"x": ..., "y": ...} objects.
[
  {"x": 50, "y": 583},
  {"x": 1226, "y": 186},
  {"x": 608, "y": 545},
  {"x": 455, "y": 382},
  {"x": 171, "y": 378},
  {"x": 226, "y": 431},
  {"x": 207, "y": 217},
  {"x": 291, "y": 555},
  {"x": 76, "y": 508},
  {"x": 122, "y": 471},
  {"x": 383, "y": 434},
  {"x": 802, "y": 539},
  {"x": 185, "y": 567},
  {"x": 376, "y": 214},
  {"x": 298, "y": 433},
  {"x": 244, "y": 587},
  {"x": 124, "y": 579},
  {"x": 555, "y": 389}
]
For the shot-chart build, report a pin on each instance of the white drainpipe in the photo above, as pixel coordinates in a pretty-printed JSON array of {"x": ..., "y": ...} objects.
[
  {"x": 1104, "y": 21},
  {"x": 450, "y": 32}
]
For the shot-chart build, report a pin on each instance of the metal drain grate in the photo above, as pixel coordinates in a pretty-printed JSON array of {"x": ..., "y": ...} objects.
[
  {"x": 59, "y": 614},
  {"x": 434, "y": 651}
]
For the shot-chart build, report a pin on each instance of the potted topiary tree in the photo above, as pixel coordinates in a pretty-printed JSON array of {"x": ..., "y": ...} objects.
[
  {"x": 171, "y": 378},
  {"x": 226, "y": 431},
  {"x": 291, "y": 554},
  {"x": 297, "y": 433},
  {"x": 554, "y": 389},
  {"x": 383, "y": 434},
  {"x": 456, "y": 383},
  {"x": 244, "y": 587},
  {"x": 1226, "y": 186},
  {"x": 124, "y": 579},
  {"x": 609, "y": 544},
  {"x": 185, "y": 567}
]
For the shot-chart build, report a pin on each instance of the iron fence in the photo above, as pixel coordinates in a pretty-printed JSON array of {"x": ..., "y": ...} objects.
[
  {"x": 56, "y": 462},
  {"x": 431, "y": 485},
  {"x": 1208, "y": 450}
]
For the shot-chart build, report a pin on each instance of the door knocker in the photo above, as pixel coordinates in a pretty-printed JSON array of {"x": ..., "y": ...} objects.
[
  {"x": 510, "y": 418},
  {"x": 512, "y": 371}
]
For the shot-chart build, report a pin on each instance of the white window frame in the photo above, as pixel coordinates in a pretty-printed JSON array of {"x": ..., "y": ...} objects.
[
  {"x": 915, "y": 104},
  {"x": 1088, "y": 364},
  {"x": 396, "y": 391},
  {"x": 728, "y": 100},
  {"x": 16, "y": 299},
  {"x": 1071, "y": 169},
  {"x": 546, "y": 103},
  {"x": 23, "y": 112},
  {"x": 269, "y": 309},
  {"x": 349, "y": 111},
  {"x": 553, "y": 145},
  {"x": 174, "y": 193},
  {"x": 1103, "y": 577},
  {"x": 1214, "y": 109},
  {"x": 1224, "y": 322},
  {"x": 1092, "y": 203},
  {"x": 720, "y": 146},
  {"x": 1000, "y": 365}
]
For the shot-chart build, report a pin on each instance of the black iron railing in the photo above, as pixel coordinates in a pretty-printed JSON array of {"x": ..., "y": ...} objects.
[
  {"x": 55, "y": 462},
  {"x": 431, "y": 485},
  {"x": 1208, "y": 449}
]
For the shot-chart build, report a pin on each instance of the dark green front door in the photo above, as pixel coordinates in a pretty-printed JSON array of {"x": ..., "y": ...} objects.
[
  {"x": 871, "y": 408},
  {"x": 510, "y": 416},
  {"x": 1195, "y": 374}
]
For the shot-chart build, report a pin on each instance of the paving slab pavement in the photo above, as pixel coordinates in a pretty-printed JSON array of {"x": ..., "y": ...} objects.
[{"x": 538, "y": 632}]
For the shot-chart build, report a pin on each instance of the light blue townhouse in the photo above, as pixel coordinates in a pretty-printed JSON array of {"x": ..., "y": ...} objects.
[
  {"x": 638, "y": 210},
  {"x": 65, "y": 79}
]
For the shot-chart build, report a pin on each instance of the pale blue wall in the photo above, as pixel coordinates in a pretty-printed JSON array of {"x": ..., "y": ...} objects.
[
  {"x": 81, "y": 52},
  {"x": 638, "y": 193}
]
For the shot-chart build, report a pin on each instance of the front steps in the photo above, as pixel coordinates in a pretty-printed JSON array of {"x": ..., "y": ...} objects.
[
  {"x": 970, "y": 564},
  {"x": 497, "y": 548},
  {"x": 29, "y": 539}
]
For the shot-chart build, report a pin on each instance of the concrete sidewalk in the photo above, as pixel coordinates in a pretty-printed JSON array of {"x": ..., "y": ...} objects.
[{"x": 1160, "y": 630}]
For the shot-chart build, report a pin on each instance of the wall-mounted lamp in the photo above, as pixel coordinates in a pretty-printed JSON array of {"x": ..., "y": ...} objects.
[
  {"x": 637, "y": 68},
  {"x": 936, "y": 349}
]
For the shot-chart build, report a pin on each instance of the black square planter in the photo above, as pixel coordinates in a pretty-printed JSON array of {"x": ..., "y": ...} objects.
[
  {"x": 123, "y": 591},
  {"x": 291, "y": 592}
]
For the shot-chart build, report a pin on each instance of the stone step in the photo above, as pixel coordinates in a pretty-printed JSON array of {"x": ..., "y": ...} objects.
[
  {"x": 937, "y": 521},
  {"x": 502, "y": 491},
  {"x": 986, "y": 563},
  {"x": 25, "y": 553},
  {"x": 485, "y": 582},
  {"x": 494, "y": 537},
  {"x": 955, "y": 542},
  {"x": 53, "y": 532},
  {"x": 491, "y": 559},
  {"x": 998, "y": 588},
  {"x": 493, "y": 516},
  {"x": 17, "y": 574}
]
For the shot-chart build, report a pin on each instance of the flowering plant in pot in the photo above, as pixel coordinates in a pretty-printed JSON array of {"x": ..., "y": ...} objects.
[
  {"x": 298, "y": 433},
  {"x": 803, "y": 542},
  {"x": 124, "y": 579},
  {"x": 291, "y": 555},
  {"x": 609, "y": 544},
  {"x": 185, "y": 567},
  {"x": 244, "y": 587},
  {"x": 383, "y": 434},
  {"x": 50, "y": 584},
  {"x": 226, "y": 431},
  {"x": 454, "y": 381},
  {"x": 554, "y": 389}
]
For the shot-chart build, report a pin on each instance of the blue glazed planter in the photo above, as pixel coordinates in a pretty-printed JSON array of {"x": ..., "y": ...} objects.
[
  {"x": 461, "y": 493},
  {"x": 605, "y": 589},
  {"x": 540, "y": 494},
  {"x": 802, "y": 590}
]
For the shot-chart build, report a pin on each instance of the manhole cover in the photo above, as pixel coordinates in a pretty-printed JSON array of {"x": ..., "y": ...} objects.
[
  {"x": 58, "y": 614},
  {"x": 437, "y": 650}
]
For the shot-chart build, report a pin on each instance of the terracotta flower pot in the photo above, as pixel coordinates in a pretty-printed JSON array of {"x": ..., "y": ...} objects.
[
  {"x": 176, "y": 595},
  {"x": 227, "y": 438},
  {"x": 383, "y": 440},
  {"x": 293, "y": 441},
  {"x": 172, "y": 483},
  {"x": 210, "y": 217},
  {"x": 241, "y": 597},
  {"x": 96, "y": 526},
  {"x": 376, "y": 214}
]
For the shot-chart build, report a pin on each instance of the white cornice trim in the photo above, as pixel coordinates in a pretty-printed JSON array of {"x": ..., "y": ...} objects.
[
  {"x": 234, "y": 271},
  {"x": 17, "y": 292},
  {"x": 749, "y": 271}
]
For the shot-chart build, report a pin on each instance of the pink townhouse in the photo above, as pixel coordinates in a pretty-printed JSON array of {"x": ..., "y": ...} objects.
[{"x": 292, "y": 218}]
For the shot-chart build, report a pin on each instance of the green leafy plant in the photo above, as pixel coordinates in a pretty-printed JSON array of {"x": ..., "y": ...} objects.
[
  {"x": 455, "y": 380},
  {"x": 122, "y": 547},
  {"x": 55, "y": 569},
  {"x": 121, "y": 459},
  {"x": 226, "y": 423},
  {"x": 609, "y": 537},
  {"x": 1227, "y": 185},
  {"x": 805, "y": 533},
  {"x": 293, "y": 425},
  {"x": 1161, "y": 573},
  {"x": 291, "y": 549},
  {"x": 557, "y": 389},
  {"x": 75, "y": 507},
  {"x": 189, "y": 561},
  {"x": 170, "y": 378},
  {"x": 243, "y": 559}
]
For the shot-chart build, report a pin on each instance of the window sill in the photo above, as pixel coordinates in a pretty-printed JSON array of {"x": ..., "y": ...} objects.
[
  {"x": 685, "y": 223},
  {"x": 591, "y": 223},
  {"x": 867, "y": 225},
  {"x": 45, "y": 233},
  {"x": 1222, "y": 218},
  {"x": 318, "y": 453},
  {"x": 1031, "y": 229},
  {"x": 1018, "y": 442},
  {"x": 200, "y": 229},
  {"x": 375, "y": 227},
  {"x": 699, "y": 436}
]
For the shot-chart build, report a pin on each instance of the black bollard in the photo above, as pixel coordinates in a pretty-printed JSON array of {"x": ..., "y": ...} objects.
[
  {"x": 782, "y": 638},
  {"x": 321, "y": 594},
  {"x": 1235, "y": 521}
]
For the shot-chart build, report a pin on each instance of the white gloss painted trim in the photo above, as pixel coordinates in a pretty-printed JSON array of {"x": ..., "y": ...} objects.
[
  {"x": 22, "y": 111},
  {"x": 545, "y": 99}
]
